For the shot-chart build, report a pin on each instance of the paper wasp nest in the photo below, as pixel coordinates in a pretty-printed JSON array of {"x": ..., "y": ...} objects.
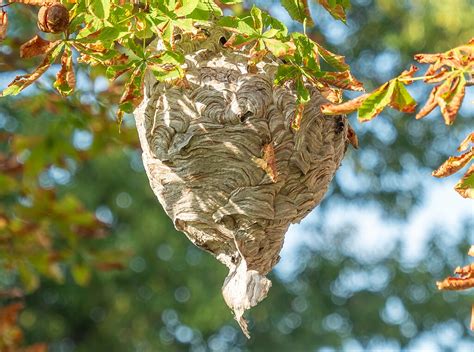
[{"x": 226, "y": 165}]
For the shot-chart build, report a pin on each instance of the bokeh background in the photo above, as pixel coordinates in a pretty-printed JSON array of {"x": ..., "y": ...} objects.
[{"x": 357, "y": 274}]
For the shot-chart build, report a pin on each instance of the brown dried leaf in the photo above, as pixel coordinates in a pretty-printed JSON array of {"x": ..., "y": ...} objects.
[
  {"x": 466, "y": 142},
  {"x": 65, "y": 79},
  {"x": 455, "y": 283},
  {"x": 457, "y": 58},
  {"x": 37, "y": 347},
  {"x": 343, "y": 80},
  {"x": 451, "y": 104},
  {"x": 344, "y": 108},
  {"x": 352, "y": 137},
  {"x": 23, "y": 81},
  {"x": 334, "y": 95},
  {"x": 448, "y": 96},
  {"x": 465, "y": 272},
  {"x": 429, "y": 105},
  {"x": 408, "y": 74},
  {"x": 295, "y": 124},
  {"x": 9, "y": 330},
  {"x": 35, "y": 2},
  {"x": 454, "y": 164},
  {"x": 34, "y": 47},
  {"x": 268, "y": 162},
  {"x": 472, "y": 317},
  {"x": 3, "y": 24},
  {"x": 9, "y": 313},
  {"x": 427, "y": 58}
]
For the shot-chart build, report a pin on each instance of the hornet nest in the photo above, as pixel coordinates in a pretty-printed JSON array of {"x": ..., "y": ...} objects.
[{"x": 226, "y": 165}]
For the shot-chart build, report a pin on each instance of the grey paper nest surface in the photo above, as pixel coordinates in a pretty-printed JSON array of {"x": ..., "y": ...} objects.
[{"x": 226, "y": 165}]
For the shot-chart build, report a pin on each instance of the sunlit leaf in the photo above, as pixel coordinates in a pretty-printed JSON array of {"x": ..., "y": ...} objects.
[
  {"x": 23, "y": 81},
  {"x": 344, "y": 108},
  {"x": 401, "y": 99},
  {"x": 337, "y": 8},
  {"x": 34, "y": 47},
  {"x": 298, "y": 10},
  {"x": 336, "y": 61},
  {"x": 448, "y": 96},
  {"x": 466, "y": 142},
  {"x": 454, "y": 164},
  {"x": 185, "y": 7},
  {"x": 343, "y": 80},
  {"x": 99, "y": 8},
  {"x": 376, "y": 101}
]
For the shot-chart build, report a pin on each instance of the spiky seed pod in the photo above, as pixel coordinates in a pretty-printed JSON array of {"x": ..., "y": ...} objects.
[
  {"x": 53, "y": 18},
  {"x": 226, "y": 165}
]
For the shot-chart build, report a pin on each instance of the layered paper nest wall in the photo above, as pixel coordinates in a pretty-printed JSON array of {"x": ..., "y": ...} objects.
[{"x": 226, "y": 165}]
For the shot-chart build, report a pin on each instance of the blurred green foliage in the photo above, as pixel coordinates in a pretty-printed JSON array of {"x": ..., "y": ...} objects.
[{"x": 75, "y": 206}]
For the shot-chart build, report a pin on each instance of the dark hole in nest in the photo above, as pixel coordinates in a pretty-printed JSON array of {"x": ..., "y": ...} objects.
[
  {"x": 339, "y": 124},
  {"x": 222, "y": 40},
  {"x": 245, "y": 116}
]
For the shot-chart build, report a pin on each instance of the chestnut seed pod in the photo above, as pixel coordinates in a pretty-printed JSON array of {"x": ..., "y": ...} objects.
[{"x": 53, "y": 18}]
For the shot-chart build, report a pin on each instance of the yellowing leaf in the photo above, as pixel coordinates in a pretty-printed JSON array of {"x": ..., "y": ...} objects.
[
  {"x": 279, "y": 48},
  {"x": 376, "y": 101},
  {"x": 336, "y": 61},
  {"x": 337, "y": 8},
  {"x": 465, "y": 187},
  {"x": 401, "y": 99}
]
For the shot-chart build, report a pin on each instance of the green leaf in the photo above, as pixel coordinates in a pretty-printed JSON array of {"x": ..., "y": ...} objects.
[
  {"x": 336, "y": 61},
  {"x": 257, "y": 18},
  {"x": 298, "y": 10},
  {"x": 376, "y": 102},
  {"x": 237, "y": 25},
  {"x": 302, "y": 93},
  {"x": 285, "y": 73},
  {"x": 205, "y": 10},
  {"x": 29, "y": 278},
  {"x": 81, "y": 274},
  {"x": 401, "y": 99},
  {"x": 337, "y": 8},
  {"x": 277, "y": 47},
  {"x": 99, "y": 8},
  {"x": 187, "y": 7}
]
